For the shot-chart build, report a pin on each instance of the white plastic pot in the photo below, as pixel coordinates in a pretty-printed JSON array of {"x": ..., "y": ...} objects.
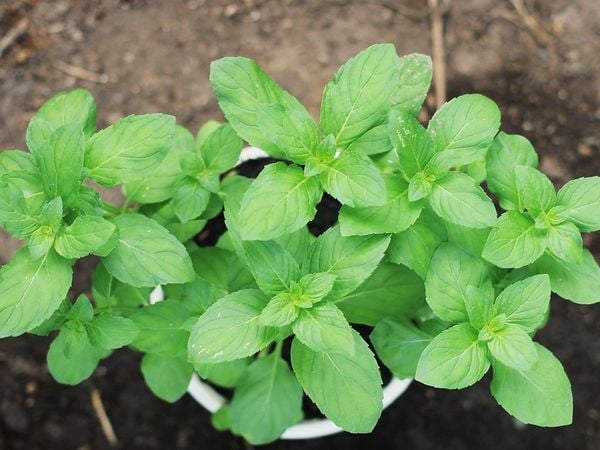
[{"x": 212, "y": 401}]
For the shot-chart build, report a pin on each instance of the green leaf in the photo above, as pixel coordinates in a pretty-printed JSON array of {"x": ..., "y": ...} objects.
[
  {"x": 426, "y": 234},
  {"x": 392, "y": 291},
  {"x": 316, "y": 286},
  {"x": 358, "y": 96},
  {"x": 412, "y": 142},
  {"x": 221, "y": 149},
  {"x": 31, "y": 291},
  {"x": 354, "y": 180},
  {"x": 267, "y": 401},
  {"x": 226, "y": 374},
  {"x": 535, "y": 190},
  {"x": 470, "y": 239},
  {"x": 167, "y": 378},
  {"x": 399, "y": 345},
  {"x": 324, "y": 328},
  {"x": 241, "y": 88},
  {"x": 60, "y": 163},
  {"x": 230, "y": 329},
  {"x": 346, "y": 389},
  {"x": 190, "y": 200},
  {"x": 146, "y": 254},
  {"x": 271, "y": 265},
  {"x": 297, "y": 243},
  {"x": 76, "y": 107},
  {"x": 87, "y": 234},
  {"x": 374, "y": 142},
  {"x": 464, "y": 128},
  {"x": 525, "y": 302},
  {"x": 479, "y": 303},
  {"x": 454, "y": 359},
  {"x": 15, "y": 218},
  {"x": 513, "y": 347},
  {"x": 71, "y": 358},
  {"x": 581, "y": 197},
  {"x": 415, "y": 77},
  {"x": 395, "y": 215},
  {"x": 564, "y": 241},
  {"x": 538, "y": 396},
  {"x": 205, "y": 131},
  {"x": 40, "y": 242},
  {"x": 578, "y": 281},
  {"x": 506, "y": 153},
  {"x": 458, "y": 199},
  {"x": 111, "y": 332},
  {"x": 351, "y": 259},
  {"x": 279, "y": 201},
  {"x": 451, "y": 272},
  {"x": 279, "y": 312},
  {"x": 162, "y": 329},
  {"x": 161, "y": 185},
  {"x": 131, "y": 148},
  {"x": 514, "y": 241}
]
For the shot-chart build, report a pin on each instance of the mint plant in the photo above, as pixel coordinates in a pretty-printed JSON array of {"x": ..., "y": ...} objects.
[{"x": 445, "y": 280}]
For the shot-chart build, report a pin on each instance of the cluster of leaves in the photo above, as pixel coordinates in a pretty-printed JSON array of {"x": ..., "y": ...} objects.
[{"x": 419, "y": 253}]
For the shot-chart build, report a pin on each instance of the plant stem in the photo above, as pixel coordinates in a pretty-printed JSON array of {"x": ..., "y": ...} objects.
[
  {"x": 278, "y": 347},
  {"x": 109, "y": 207}
]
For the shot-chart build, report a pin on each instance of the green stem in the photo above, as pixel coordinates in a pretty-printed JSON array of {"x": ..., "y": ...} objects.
[
  {"x": 278, "y": 347},
  {"x": 109, "y": 207}
]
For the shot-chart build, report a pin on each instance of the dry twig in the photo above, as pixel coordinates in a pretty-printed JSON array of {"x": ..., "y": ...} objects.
[
  {"x": 105, "y": 424},
  {"x": 13, "y": 34},
  {"x": 80, "y": 72},
  {"x": 439, "y": 57},
  {"x": 532, "y": 24}
]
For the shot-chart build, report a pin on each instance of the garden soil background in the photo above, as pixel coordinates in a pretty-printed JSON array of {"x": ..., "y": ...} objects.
[{"x": 540, "y": 63}]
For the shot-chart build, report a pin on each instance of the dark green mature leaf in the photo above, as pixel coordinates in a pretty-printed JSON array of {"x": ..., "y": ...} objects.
[
  {"x": 412, "y": 142},
  {"x": 279, "y": 201},
  {"x": 267, "y": 401},
  {"x": 351, "y": 259},
  {"x": 167, "y": 378},
  {"x": 346, "y": 389},
  {"x": 458, "y": 199},
  {"x": 399, "y": 345},
  {"x": 146, "y": 254},
  {"x": 31, "y": 290},
  {"x": 241, "y": 88},
  {"x": 506, "y": 153},
  {"x": 414, "y": 79},
  {"x": 354, "y": 180},
  {"x": 87, "y": 234},
  {"x": 392, "y": 291},
  {"x": 324, "y": 328},
  {"x": 454, "y": 359},
  {"x": 515, "y": 241},
  {"x": 130, "y": 148},
  {"x": 451, "y": 272},
  {"x": 358, "y": 96},
  {"x": 230, "y": 329},
  {"x": 110, "y": 332},
  {"x": 395, "y": 215},
  {"x": 581, "y": 197},
  {"x": 464, "y": 128},
  {"x": 539, "y": 396}
]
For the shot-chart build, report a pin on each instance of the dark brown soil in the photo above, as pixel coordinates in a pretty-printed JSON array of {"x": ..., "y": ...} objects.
[{"x": 542, "y": 68}]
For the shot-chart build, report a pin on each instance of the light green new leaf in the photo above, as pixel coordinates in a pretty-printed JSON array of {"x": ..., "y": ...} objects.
[
  {"x": 267, "y": 401},
  {"x": 399, "y": 345},
  {"x": 324, "y": 328},
  {"x": 415, "y": 77},
  {"x": 31, "y": 290},
  {"x": 451, "y": 272},
  {"x": 279, "y": 201},
  {"x": 536, "y": 191},
  {"x": 458, "y": 199},
  {"x": 392, "y": 291},
  {"x": 479, "y": 303},
  {"x": 87, "y": 234},
  {"x": 411, "y": 141},
  {"x": 346, "y": 389},
  {"x": 168, "y": 378},
  {"x": 316, "y": 286},
  {"x": 358, "y": 96},
  {"x": 506, "y": 153},
  {"x": 538, "y": 396},
  {"x": 146, "y": 254},
  {"x": 271, "y": 265},
  {"x": 513, "y": 347},
  {"x": 221, "y": 149},
  {"x": 60, "y": 163},
  {"x": 581, "y": 197},
  {"x": 374, "y": 142},
  {"x": 578, "y": 281},
  {"x": 130, "y": 148},
  {"x": 454, "y": 359},
  {"x": 111, "y": 332},
  {"x": 71, "y": 358},
  {"x": 190, "y": 200},
  {"x": 351, "y": 259},
  {"x": 464, "y": 128},
  {"x": 395, "y": 215},
  {"x": 525, "y": 302},
  {"x": 515, "y": 241},
  {"x": 279, "y": 312},
  {"x": 230, "y": 329},
  {"x": 564, "y": 241},
  {"x": 354, "y": 180}
]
